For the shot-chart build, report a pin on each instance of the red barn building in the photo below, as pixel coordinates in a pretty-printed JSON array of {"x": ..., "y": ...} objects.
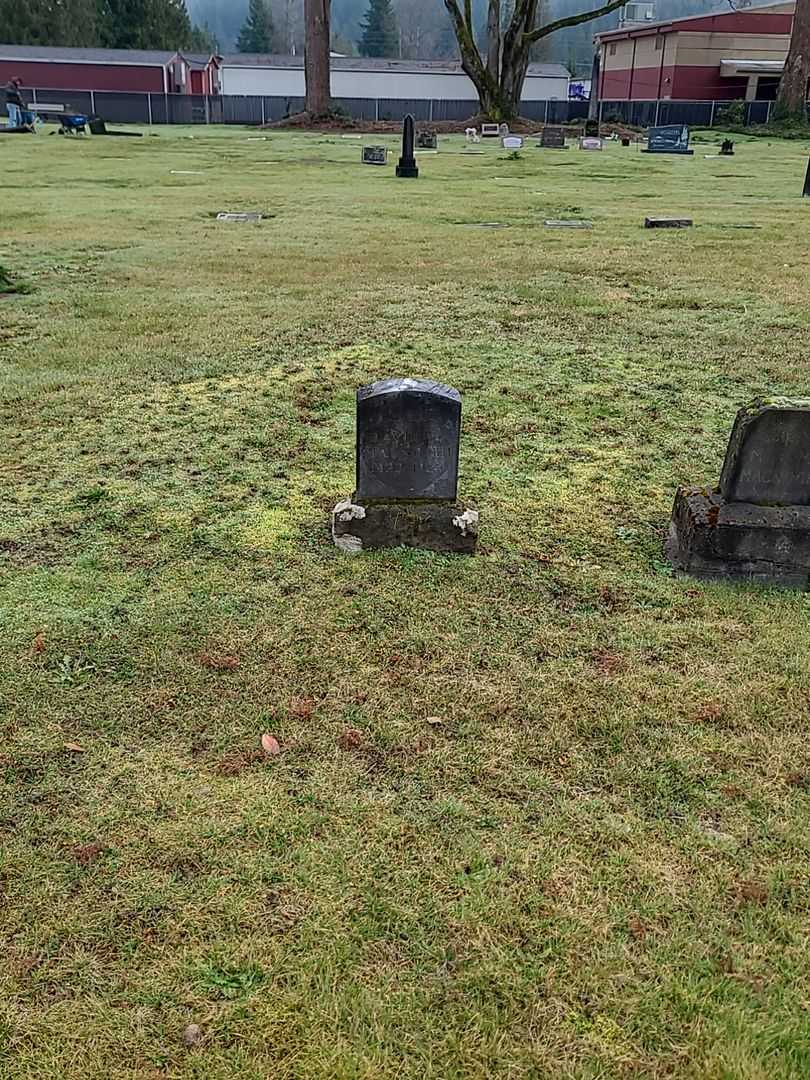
[
  {"x": 729, "y": 56},
  {"x": 122, "y": 70}
]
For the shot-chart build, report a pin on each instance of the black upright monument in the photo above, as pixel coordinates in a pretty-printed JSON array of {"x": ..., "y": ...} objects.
[
  {"x": 407, "y": 471},
  {"x": 407, "y": 163},
  {"x": 806, "y": 192}
]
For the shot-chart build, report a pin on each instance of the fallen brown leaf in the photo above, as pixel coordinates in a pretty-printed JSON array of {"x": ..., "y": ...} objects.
[
  {"x": 351, "y": 739},
  {"x": 73, "y": 747},
  {"x": 434, "y": 721},
  {"x": 636, "y": 928},
  {"x": 302, "y": 707},
  {"x": 234, "y": 763},
  {"x": 218, "y": 662},
  {"x": 712, "y": 711},
  {"x": 87, "y": 852},
  {"x": 39, "y": 643},
  {"x": 270, "y": 744},
  {"x": 608, "y": 663},
  {"x": 753, "y": 891},
  {"x": 191, "y": 1035}
]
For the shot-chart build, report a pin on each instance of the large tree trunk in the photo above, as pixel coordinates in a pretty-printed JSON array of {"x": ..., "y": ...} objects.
[
  {"x": 499, "y": 80},
  {"x": 316, "y": 56},
  {"x": 792, "y": 97}
]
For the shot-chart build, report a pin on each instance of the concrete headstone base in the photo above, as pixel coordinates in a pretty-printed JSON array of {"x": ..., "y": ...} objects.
[
  {"x": 713, "y": 539},
  {"x": 433, "y": 526}
]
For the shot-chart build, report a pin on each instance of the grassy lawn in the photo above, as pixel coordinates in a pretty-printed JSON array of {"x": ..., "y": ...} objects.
[{"x": 539, "y": 813}]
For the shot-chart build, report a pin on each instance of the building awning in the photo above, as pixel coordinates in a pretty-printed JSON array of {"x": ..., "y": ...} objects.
[{"x": 730, "y": 68}]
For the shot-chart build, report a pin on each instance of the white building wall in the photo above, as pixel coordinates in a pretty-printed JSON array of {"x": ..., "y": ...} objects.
[{"x": 441, "y": 86}]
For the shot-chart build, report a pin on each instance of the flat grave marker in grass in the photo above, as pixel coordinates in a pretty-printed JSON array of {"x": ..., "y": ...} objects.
[
  {"x": 756, "y": 525},
  {"x": 667, "y": 222},
  {"x": 407, "y": 453},
  {"x": 242, "y": 217}
]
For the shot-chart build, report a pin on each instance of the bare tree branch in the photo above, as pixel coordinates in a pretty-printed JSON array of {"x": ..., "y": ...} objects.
[{"x": 572, "y": 20}]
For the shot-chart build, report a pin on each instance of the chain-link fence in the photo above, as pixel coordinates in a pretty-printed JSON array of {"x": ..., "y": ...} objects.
[{"x": 121, "y": 108}]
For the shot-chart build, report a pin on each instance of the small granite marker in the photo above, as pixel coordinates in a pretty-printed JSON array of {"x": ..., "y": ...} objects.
[
  {"x": 374, "y": 155},
  {"x": 552, "y": 138},
  {"x": 407, "y": 163},
  {"x": 490, "y": 131},
  {"x": 806, "y": 192},
  {"x": 669, "y": 139},
  {"x": 242, "y": 217},
  {"x": 407, "y": 471},
  {"x": 427, "y": 140},
  {"x": 667, "y": 222},
  {"x": 756, "y": 525}
]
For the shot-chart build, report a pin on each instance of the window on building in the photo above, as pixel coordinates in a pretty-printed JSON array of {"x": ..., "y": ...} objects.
[
  {"x": 659, "y": 43},
  {"x": 613, "y": 48}
]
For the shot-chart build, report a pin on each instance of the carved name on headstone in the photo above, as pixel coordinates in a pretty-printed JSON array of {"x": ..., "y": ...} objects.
[
  {"x": 407, "y": 440},
  {"x": 768, "y": 456}
]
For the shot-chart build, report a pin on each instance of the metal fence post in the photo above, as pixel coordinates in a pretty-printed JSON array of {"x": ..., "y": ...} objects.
[
  {"x": 431, "y": 111},
  {"x": 376, "y": 109},
  {"x": 601, "y": 106},
  {"x": 263, "y": 119},
  {"x": 657, "y": 111},
  {"x": 545, "y": 112},
  {"x": 92, "y": 103},
  {"x": 149, "y": 108},
  {"x": 711, "y": 118},
  {"x": 33, "y": 96}
]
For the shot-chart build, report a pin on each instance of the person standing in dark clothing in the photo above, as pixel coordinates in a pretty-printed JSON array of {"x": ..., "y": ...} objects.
[{"x": 14, "y": 102}]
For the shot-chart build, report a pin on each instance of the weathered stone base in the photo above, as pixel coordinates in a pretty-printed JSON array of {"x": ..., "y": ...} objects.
[
  {"x": 713, "y": 539},
  {"x": 434, "y": 526}
]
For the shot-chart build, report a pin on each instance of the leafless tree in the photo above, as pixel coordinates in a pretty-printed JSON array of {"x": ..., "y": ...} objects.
[{"x": 499, "y": 76}]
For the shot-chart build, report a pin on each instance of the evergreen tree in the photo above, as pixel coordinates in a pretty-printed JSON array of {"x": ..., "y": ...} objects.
[
  {"x": 202, "y": 40},
  {"x": 256, "y": 35},
  {"x": 49, "y": 22},
  {"x": 145, "y": 24},
  {"x": 380, "y": 32}
]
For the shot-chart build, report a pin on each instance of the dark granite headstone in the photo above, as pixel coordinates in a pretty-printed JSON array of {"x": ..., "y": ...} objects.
[
  {"x": 756, "y": 526},
  {"x": 806, "y": 192},
  {"x": 407, "y": 163},
  {"x": 407, "y": 440},
  {"x": 726, "y": 148},
  {"x": 407, "y": 471},
  {"x": 591, "y": 129},
  {"x": 669, "y": 139},
  {"x": 667, "y": 222},
  {"x": 374, "y": 155},
  {"x": 625, "y": 140},
  {"x": 552, "y": 138},
  {"x": 768, "y": 456},
  {"x": 427, "y": 140}
]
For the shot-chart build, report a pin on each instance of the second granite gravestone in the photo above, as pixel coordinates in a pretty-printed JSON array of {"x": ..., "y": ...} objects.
[
  {"x": 407, "y": 471},
  {"x": 756, "y": 525}
]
